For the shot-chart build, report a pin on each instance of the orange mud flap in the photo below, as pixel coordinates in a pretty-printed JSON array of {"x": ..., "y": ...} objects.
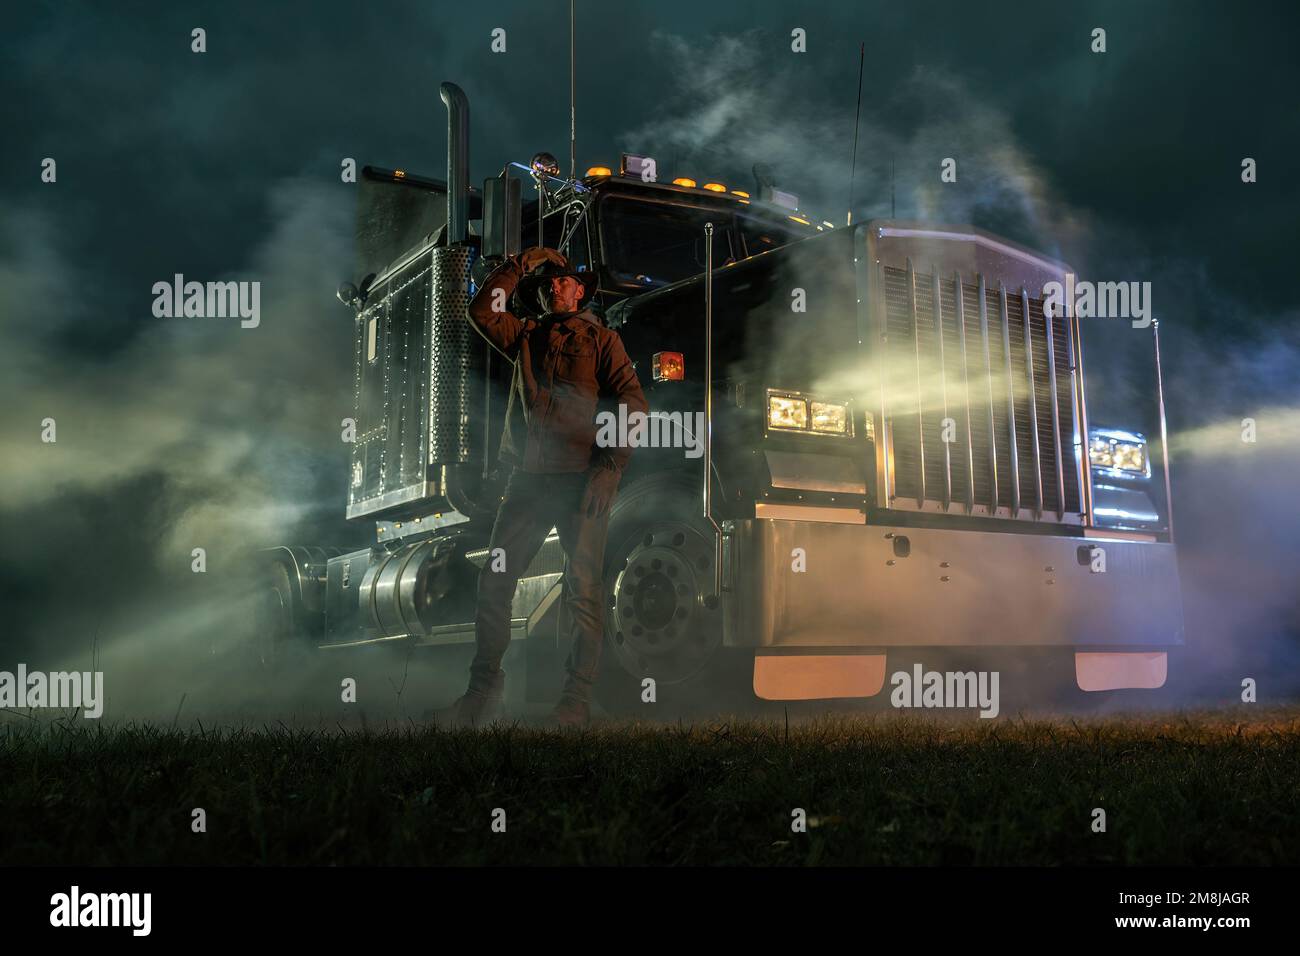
[
  {"x": 817, "y": 676},
  {"x": 1121, "y": 671}
]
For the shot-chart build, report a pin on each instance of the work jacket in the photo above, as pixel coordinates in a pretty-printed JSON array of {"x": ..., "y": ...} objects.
[{"x": 564, "y": 363}]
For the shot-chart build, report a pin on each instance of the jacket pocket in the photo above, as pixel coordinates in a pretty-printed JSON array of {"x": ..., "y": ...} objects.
[{"x": 575, "y": 362}]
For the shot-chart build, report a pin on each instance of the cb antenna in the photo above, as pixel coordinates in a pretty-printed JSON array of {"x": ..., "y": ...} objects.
[
  {"x": 857, "y": 116},
  {"x": 573, "y": 121},
  {"x": 892, "y": 213}
]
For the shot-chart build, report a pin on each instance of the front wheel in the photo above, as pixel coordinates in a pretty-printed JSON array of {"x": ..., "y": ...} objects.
[{"x": 662, "y": 617}]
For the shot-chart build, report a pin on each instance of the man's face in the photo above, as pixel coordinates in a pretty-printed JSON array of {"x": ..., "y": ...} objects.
[{"x": 560, "y": 294}]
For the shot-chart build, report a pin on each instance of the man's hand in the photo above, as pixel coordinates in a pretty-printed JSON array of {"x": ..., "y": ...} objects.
[
  {"x": 530, "y": 259},
  {"x": 602, "y": 484}
]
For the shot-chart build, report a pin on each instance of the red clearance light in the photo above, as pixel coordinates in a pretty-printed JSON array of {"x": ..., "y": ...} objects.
[{"x": 669, "y": 367}]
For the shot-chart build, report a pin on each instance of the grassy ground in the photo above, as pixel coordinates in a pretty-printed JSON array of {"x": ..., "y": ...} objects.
[{"x": 1190, "y": 788}]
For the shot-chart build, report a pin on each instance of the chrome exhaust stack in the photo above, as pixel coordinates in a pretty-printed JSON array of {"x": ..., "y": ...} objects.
[{"x": 457, "y": 162}]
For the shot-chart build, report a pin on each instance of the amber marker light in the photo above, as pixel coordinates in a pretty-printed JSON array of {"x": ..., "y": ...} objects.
[
  {"x": 599, "y": 171},
  {"x": 715, "y": 187},
  {"x": 669, "y": 367},
  {"x": 683, "y": 181}
]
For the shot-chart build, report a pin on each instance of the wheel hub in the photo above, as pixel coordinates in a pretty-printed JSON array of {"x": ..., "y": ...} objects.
[{"x": 658, "y": 620}]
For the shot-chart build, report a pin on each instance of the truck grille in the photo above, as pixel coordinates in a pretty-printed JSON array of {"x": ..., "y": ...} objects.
[{"x": 979, "y": 398}]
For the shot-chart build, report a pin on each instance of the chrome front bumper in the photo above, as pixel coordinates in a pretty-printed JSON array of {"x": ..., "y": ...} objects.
[{"x": 870, "y": 586}]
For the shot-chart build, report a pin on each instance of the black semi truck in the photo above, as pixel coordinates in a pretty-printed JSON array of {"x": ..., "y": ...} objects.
[{"x": 896, "y": 446}]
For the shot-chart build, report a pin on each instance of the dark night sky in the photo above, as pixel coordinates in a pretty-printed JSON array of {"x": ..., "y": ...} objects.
[{"x": 174, "y": 434}]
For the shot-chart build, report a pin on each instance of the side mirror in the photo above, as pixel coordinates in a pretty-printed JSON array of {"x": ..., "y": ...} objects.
[
  {"x": 349, "y": 295},
  {"x": 502, "y": 217}
]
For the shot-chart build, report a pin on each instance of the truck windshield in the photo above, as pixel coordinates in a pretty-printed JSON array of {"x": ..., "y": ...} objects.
[
  {"x": 653, "y": 243},
  {"x": 760, "y": 235}
]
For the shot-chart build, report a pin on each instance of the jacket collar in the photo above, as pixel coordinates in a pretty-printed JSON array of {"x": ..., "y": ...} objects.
[{"x": 570, "y": 320}]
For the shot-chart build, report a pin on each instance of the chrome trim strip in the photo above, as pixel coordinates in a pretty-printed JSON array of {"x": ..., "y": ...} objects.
[
  {"x": 1033, "y": 404},
  {"x": 1011, "y": 403},
  {"x": 885, "y": 438},
  {"x": 1080, "y": 409},
  {"x": 1056, "y": 417},
  {"x": 965, "y": 376},
  {"x": 1164, "y": 436},
  {"x": 937, "y": 311},
  {"x": 783, "y": 512},
  {"x": 920, "y": 419},
  {"x": 988, "y": 381}
]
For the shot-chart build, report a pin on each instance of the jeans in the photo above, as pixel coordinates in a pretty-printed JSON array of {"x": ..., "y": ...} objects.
[{"x": 532, "y": 505}]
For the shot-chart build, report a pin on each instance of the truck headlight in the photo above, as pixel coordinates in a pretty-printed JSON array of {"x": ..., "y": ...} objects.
[
  {"x": 1120, "y": 451},
  {"x": 796, "y": 412},
  {"x": 829, "y": 418},
  {"x": 787, "y": 411}
]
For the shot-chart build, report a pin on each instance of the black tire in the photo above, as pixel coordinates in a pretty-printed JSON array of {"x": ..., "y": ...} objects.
[
  {"x": 275, "y": 638},
  {"x": 661, "y": 617}
]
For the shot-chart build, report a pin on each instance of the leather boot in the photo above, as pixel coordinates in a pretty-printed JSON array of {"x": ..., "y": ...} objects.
[
  {"x": 573, "y": 710},
  {"x": 481, "y": 703}
]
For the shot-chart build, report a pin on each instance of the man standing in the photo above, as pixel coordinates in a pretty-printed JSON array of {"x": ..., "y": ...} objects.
[{"x": 564, "y": 361}]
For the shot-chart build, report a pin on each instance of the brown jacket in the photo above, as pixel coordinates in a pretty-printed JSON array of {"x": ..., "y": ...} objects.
[{"x": 562, "y": 365}]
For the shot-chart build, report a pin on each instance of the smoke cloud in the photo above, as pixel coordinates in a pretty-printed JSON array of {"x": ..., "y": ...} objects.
[{"x": 180, "y": 433}]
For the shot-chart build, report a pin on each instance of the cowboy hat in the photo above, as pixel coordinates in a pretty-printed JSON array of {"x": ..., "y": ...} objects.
[{"x": 532, "y": 282}]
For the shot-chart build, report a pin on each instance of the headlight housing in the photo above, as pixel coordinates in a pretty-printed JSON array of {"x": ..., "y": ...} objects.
[
  {"x": 1119, "y": 452},
  {"x": 796, "y": 412}
]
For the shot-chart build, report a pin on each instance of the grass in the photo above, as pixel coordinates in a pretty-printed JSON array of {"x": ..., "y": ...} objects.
[{"x": 878, "y": 789}]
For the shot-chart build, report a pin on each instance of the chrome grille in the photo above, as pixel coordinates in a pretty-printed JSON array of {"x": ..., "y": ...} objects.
[{"x": 971, "y": 354}]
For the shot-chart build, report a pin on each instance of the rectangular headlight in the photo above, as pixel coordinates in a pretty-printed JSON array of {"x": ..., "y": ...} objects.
[
  {"x": 829, "y": 418},
  {"x": 1118, "y": 451},
  {"x": 787, "y": 411},
  {"x": 795, "y": 412}
]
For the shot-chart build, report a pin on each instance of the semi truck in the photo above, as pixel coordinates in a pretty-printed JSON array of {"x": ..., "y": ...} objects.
[{"x": 897, "y": 452}]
